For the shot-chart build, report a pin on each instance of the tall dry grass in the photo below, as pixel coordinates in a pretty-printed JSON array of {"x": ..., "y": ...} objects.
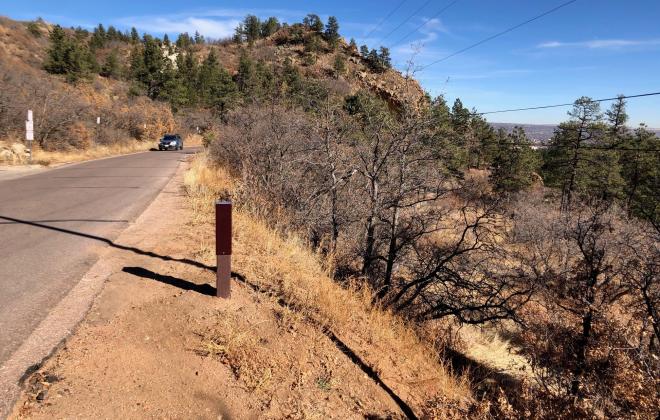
[{"x": 282, "y": 264}]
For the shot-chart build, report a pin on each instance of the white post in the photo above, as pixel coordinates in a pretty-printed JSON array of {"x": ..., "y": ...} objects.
[{"x": 29, "y": 134}]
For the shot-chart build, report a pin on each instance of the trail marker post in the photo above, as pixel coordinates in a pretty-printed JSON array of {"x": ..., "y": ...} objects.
[
  {"x": 223, "y": 248},
  {"x": 29, "y": 133}
]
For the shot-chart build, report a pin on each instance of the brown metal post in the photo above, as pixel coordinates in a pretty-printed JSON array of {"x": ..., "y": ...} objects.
[{"x": 223, "y": 248}]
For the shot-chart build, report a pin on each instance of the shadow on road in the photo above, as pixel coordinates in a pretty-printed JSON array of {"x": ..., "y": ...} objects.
[{"x": 110, "y": 243}]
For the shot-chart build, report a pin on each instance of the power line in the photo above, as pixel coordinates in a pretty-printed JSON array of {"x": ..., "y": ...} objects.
[
  {"x": 566, "y": 104},
  {"x": 404, "y": 21},
  {"x": 426, "y": 22},
  {"x": 385, "y": 18},
  {"x": 512, "y": 28}
]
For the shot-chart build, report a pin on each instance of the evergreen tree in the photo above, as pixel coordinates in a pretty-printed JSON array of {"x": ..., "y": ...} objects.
[
  {"x": 269, "y": 27},
  {"x": 112, "y": 34},
  {"x": 460, "y": 117},
  {"x": 332, "y": 31},
  {"x": 640, "y": 169},
  {"x": 384, "y": 58},
  {"x": 514, "y": 163},
  {"x": 577, "y": 160},
  {"x": 199, "y": 39},
  {"x": 339, "y": 65},
  {"x": 98, "y": 39},
  {"x": 239, "y": 33},
  {"x": 135, "y": 37},
  {"x": 251, "y": 28},
  {"x": 184, "y": 41},
  {"x": 313, "y": 22},
  {"x": 364, "y": 52},
  {"x": 166, "y": 41},
  {"x": 68, "y": 56},
  {"x": 55, "y": 61},
  {"x": 182, "y": 89},
  {"x": 111, "y": 66},
  {"x": 291, "y": 78},
  {"x": 245, "y": 76},
  {"x": 353, "y": 45},
  {"x": 480, "y": 142}
]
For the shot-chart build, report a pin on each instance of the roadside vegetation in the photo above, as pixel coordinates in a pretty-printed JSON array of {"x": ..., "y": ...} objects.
[{"x": 424, "y": 218}]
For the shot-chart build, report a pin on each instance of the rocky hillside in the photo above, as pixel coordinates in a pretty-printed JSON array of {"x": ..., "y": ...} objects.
[
  {"x": 97, "y": 75},
  {"x": 64, "y": 113}
]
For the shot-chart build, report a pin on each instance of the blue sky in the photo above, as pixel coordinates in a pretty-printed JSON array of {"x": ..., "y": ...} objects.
[{"x": 598, "y": 48}]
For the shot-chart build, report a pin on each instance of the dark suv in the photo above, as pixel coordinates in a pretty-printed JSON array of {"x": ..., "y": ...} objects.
[{"x": 170, "y": 142}]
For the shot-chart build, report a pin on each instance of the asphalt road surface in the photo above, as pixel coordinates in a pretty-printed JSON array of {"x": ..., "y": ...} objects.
[{"x": 54, "y": 223}]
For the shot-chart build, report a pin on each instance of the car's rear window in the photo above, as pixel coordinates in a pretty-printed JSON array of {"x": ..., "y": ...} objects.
[{"x": 170, "y": 137}]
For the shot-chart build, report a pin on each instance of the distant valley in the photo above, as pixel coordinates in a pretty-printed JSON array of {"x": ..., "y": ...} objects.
[{"x": 541, "y": 133}]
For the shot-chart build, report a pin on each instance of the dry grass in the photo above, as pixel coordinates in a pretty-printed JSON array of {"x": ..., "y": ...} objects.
[
  {"x": 47, "y": 158},
  {"x": 283, "y": 265}
]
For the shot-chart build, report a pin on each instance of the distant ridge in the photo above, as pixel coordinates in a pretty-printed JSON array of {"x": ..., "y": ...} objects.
[{"x": 541, "y": 133}]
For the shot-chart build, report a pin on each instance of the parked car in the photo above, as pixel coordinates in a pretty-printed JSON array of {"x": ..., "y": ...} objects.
[{"x": 171, "y": 142}]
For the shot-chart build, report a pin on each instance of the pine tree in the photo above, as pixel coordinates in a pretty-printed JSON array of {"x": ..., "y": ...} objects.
[
  {"x": 313, "y": 22},
  {"x": 112, "y": 34},
  {"x": 353, "y": 45},
  {"x": 68, "y": 56},
  {"x": 269, "y": 27},
  {"x": 460, "y": 117},
  {"x": 384, "y": 58},
  {"x": 577, "y": 160},
  {"x": 245, "y": 75},
  {"x": 514, "y": 163},
  {"x": 332, "y": 31},
  {"x": 154, "y": 75},
  {"x": 216, "y": 88},
  {"x": 135, "y": 37},
  {"x": 339, "y": 65},
  {"x": 55, "y": 61},
  {"x": 640, "y": 170},
  {"x": 364, "y": 51},
  {"x": 251, "y": 28},
  {"x": 183, "y": 41},
  {"x": 166, "y": 41},
  {"x": 199, "y": 39},
  {"x": 111, "y": 66},
  {"x": 239, "y": 34}
]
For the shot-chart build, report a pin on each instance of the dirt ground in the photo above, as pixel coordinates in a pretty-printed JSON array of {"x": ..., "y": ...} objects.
[{"x": 157, "y": 343}]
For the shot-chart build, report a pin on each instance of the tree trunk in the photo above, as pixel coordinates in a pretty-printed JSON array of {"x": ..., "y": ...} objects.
[{"x": 581, "y": 352}]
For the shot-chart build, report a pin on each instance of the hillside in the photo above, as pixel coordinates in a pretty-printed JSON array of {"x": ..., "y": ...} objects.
[
  {"x": 65, "y": 112},
  {"x": 396, "y": 255}
]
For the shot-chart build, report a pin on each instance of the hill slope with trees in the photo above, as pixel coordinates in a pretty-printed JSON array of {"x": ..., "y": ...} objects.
[{"x": 422, "y": 205}]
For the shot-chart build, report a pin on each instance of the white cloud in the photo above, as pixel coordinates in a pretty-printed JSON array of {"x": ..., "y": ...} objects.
[
  {"x": 213, "y": 23},
  {"x": 601, "y": 44},
  {"x": 213, "y": 28}
]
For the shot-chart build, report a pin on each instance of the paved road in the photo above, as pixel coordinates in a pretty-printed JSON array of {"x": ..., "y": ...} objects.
[{"x": 47, "y": 221}]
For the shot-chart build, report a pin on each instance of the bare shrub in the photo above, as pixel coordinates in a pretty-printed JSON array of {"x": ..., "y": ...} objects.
[{"x": 585, "y": 344}]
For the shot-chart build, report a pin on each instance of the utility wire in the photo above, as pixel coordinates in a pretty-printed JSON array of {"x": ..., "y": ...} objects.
[
  {"x": 566, "y": 104},
  {"x": 426, "y": 22},
  {"x": 512, "y": 28},
  {"x": 404, "y": 21},
  {"x": 389, "y": 15}
]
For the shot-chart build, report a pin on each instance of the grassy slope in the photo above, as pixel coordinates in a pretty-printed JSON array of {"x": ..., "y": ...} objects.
[{"x": 282, "y": 267}]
